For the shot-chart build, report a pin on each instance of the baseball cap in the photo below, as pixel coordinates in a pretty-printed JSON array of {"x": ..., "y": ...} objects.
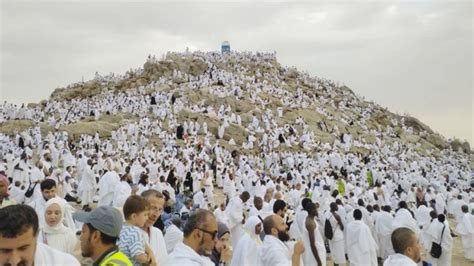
[{"x": 106, "y": 219}]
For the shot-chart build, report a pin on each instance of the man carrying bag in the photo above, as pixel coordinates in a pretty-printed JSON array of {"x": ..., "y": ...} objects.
[{"x": 442, "y": 242}]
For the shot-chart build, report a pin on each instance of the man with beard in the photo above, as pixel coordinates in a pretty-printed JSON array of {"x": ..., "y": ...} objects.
[
  {"x": 18, "y": 240},
  {"x": 200, "y": 234},
  {"x": 100, "y": 232},
  {"x": 275, "y": 251},
  {"x": 154, "y": 236}
]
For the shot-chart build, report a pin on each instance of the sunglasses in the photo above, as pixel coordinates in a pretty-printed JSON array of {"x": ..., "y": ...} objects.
[{"x": 212, "y": 234}]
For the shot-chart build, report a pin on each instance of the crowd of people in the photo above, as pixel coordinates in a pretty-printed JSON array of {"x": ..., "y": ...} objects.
[{"x": 279, "y": 197}]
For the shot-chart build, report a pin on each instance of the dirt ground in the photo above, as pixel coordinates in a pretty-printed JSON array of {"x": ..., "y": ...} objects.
[{"x": 458, "y": 257}]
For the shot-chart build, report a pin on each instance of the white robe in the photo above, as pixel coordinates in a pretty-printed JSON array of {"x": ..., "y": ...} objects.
[
  {"x": 107, "y": 185},
  {"x": 361, "y": 247},
  {"x": 248, "y": 249},
  {"x": 383, "y": 229},
  {"x": 399, "y": 260},
  {"x": 235, "y": 211},
  {"x": 68, "y": 159},
  {"x": 62, "y": 241},
  {"x": 440, "y": 203},
  {"x": 220, "y": 132},
  {"x": 122, "y": 192},
  {"x": 423, "y": 220},
  {"x": 17, "y": 194},
  {"x": 275, "y": 252},
  {"x": 200, "y": 200},
  {"x": 221, "y": 216},
  {"x": 435, "y": 231},
  {"x": 39, "y": 205},
  {"x": 456, "y": 208},
  {"x": 336, "y": 244},
  {"x": 173, "y": 236},
  {"x": 403, "y": 218},
  {"x": 185, "y": 255},
  {"x": 295, "y": 230},
  {"x": 308, "y": 256},
  {"x": 37, "y": 178},
  {"x": 157, "y": 244},
  {"x": 87, "y": 186},
  {"x": 47, "y": 256},
  {"x": 465, "y": 229},
  {"x": 229, "y": 187}
]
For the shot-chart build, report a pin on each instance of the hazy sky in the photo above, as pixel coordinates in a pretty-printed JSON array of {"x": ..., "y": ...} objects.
[{"x": 413, "y": 57}]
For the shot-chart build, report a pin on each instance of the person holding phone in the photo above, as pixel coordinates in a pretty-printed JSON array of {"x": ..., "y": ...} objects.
[{"x": 222, "y": 252}]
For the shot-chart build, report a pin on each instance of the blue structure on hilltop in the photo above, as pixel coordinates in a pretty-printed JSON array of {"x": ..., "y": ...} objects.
[{"x": 225, "y": 47}]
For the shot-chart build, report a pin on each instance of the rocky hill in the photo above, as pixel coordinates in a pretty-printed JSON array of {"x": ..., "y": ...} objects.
[{"x": 249, "y": 84}]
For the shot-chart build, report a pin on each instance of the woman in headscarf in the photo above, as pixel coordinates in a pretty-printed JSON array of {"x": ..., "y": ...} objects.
[
  {"x": 247, "y": 251},
  {"x": 55, "y": 234},
  {"x": 222, "y": 252}
]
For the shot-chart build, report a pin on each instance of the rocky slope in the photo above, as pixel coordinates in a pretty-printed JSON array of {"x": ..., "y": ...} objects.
[{"x": 327, "y": 108}]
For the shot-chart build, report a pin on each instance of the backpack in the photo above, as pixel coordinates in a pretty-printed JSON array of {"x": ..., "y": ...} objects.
[
  {"x": 328, "y": 232},
  {"x": 31, "y": 189}
]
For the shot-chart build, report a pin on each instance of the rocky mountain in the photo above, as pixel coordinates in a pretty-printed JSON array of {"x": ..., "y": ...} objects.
[{"x": 246, "y": 85}]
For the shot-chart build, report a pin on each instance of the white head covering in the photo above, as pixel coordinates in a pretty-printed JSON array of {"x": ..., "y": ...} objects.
[
  {"x": 250, "y": 225},
  {"x": 59, "y": 228}
]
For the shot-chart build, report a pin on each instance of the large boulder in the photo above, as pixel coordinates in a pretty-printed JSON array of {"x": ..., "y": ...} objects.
[
  {"x": 437, "y": 141},
  {"x": 80, "y": 90},
  {"x": 188, "y": 65},
  {"x": 460, "y": 146},
  {"x": 12, "y": 127},
  {"x": 104, "y": 126},
  {"x": 417, "y": 125}
]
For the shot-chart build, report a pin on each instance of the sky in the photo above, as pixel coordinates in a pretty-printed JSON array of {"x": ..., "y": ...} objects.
[{"x": 413, "y": 57}]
